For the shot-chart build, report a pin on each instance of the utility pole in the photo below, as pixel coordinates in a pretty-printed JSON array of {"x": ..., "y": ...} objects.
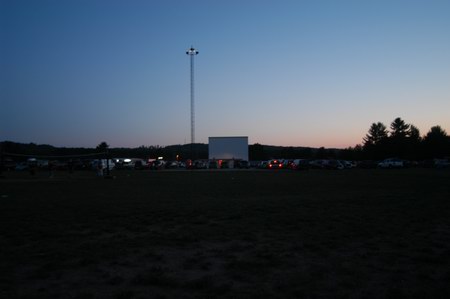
[{"x": 192, "y": 52}]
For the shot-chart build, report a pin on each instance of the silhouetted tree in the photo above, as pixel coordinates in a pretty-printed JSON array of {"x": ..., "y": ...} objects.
[
  {"x": 376, "y": 135},
  {"x": 436, "y": 133},
  {"x": 103, "y": 146},
  {"x": 358, "y": 152},
  {"x": 374, "y": 142},
  {"x": 404, "y": 141},
  {"x": 414, "y": 133},
  {"x": 413, "y": 143},
  {"x": 399, "y": 129},
  {"x": 436, "y": 143},
  {"x": 397, "y": 142},
  {"x": 351, "y": 153}
]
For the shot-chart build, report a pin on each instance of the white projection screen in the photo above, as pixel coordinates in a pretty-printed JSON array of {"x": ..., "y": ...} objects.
[{"x": 228, "y": 148}]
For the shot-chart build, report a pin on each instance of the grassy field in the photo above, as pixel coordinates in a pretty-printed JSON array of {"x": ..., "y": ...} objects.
[{"x": 226, "y": 234}]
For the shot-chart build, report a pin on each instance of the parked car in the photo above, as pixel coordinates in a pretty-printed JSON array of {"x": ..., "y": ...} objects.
[
  {"x": 391, "y": 163},
  {"x": 318, "y": 164},
  {"x": 254, "y": 164},
  {"x": 172, "y": 165},
  {"x": 139, "y": 164},
  {"x": 213, "y": 164},
  {"x": 300, "y": 164},
  {"x": 263, "y": 164},
  {"x": 21, "y": 166},
  {"x": 124, "y": 163},
  {"x": 441, "y": 163},
  {"x": 102, "y": 164},
  {"x": 333, "y": 164},
  {"x": 287, "y": 164},
  {"x": 242, "y": 164},
  {"x": 225, "y": 164},
  {"x": 348, "y": 164},
  {"x": 275, "y": 164},
  {"x": 200, "y": 164},
  {"x": 367, "y": 164},
  {"x": 9, "y": 164},
  {"x": 189, "y": 164},
  {"x": 159, "y": 164}
]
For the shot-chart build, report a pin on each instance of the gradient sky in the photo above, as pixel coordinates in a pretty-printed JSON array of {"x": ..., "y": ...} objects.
[{"x": 294, "y": 73}]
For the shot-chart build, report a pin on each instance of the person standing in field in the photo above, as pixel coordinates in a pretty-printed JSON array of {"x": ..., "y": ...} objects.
[
  {"x": 70, "y": 166},
  {"x": 32, "y": 166},
  {"x": 99, "y": 168},
  {"x": 50, "y": 169}
]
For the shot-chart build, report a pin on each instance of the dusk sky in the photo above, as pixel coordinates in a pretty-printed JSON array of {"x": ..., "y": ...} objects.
[{"x": 293, "y": 73}]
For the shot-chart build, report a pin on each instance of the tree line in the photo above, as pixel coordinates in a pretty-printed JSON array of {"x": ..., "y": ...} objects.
[
  {"x": 400, "y": 140},
  {"x": 403, "y": 140}
]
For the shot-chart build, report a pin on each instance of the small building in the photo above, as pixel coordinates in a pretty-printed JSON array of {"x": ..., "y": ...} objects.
[{"x": 228, "y": 148}]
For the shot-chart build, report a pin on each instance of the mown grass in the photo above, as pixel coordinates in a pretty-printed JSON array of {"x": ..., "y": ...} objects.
[{"x": 226, "y": 234}]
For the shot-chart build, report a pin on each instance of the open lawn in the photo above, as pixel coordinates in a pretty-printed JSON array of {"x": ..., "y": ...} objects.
[{"x": 226, "y": 234}]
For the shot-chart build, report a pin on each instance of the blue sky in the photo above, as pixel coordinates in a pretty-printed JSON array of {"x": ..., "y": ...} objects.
[{"x": 294, "y": 73}]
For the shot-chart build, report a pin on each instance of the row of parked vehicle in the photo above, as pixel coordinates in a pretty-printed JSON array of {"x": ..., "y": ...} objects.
[
  {"x": 303, "y": 164},
  {"x": 71, "y": 164},
  {"x": 300, "y": 164},
  {"x": 295, "y": 164},
  {"x": 273, "y": 164}
]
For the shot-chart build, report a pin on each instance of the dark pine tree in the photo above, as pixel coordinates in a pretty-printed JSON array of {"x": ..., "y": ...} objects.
[
  {"x": 436, "y": 143},
  {"x": 374, "y": 142},
  {"x": 397, "y": 142}
]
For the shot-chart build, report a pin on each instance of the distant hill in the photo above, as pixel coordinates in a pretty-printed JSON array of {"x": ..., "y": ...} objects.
[{"x": 195, "y": 151}]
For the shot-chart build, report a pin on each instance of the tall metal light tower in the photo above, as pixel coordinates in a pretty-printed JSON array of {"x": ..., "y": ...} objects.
[{"x": 192, "y": 52}]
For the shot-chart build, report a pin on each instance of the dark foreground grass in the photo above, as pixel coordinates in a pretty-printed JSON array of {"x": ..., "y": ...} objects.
[{"x": 226, "y": 234}]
